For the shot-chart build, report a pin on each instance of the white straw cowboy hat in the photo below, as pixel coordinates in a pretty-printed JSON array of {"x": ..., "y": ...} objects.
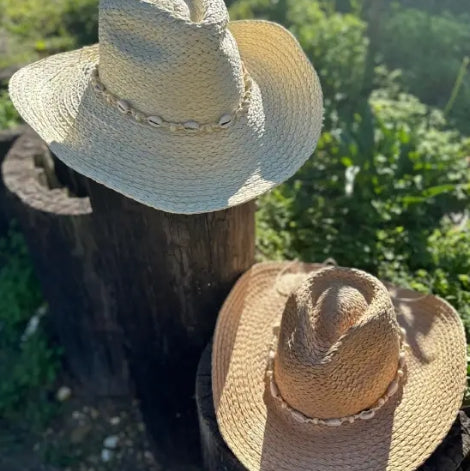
[
  {"x": 326, "y": 369},
  {"x": 176, "y": 108}
]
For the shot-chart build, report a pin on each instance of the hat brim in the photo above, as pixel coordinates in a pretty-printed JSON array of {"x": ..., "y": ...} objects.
[
  {"x": 181, "y": 172},
  {"x": 400, "y": 437}
]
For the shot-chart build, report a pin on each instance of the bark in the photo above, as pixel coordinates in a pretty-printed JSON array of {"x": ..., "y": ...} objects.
[{"x": 59, "y": 231}]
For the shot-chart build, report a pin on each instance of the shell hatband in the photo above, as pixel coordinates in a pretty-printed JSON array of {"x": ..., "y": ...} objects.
[
  {"x": 226, "y": 121},
  {"x": 366, "y": 414}
]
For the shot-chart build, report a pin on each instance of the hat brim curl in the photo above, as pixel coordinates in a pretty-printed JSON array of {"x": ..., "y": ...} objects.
[
  {"x": 178, "y": 172},
  {"x": 402, "y": 435}
]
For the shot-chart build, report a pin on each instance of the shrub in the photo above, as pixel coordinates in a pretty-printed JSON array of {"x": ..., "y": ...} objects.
[
  {"x": 31, "y": 29},
  {"x": 446, "y": 272},
  {"x": 430, "y": 49},
  {"x": 372, "y": 204},
  {"x": 32, "y": 17},
  {"x": 80, "y": 20}
]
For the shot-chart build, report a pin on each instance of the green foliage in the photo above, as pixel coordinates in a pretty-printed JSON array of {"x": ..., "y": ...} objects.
[
  {"x": 8, "y": 114},
  {"x": 80, "y": 20},
  {"x": 260, "y": 9},
  {"x": 36, "y": 28},
  {"x": 32, "y": 17},
  {"x": 375, "y": 205},
  {"x": 28, "y": 365},
  {"x": 74, "y": 21},
  {"x": 335, "y": 42},
  {"x": 430, "y": 50},
  {"x": 437, "y": 6},
  {"x": 445, "y": 271}
]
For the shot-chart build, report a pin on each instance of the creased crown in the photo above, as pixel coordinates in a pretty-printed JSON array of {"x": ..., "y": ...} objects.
[
  {"x": 338, "y": 346},
  {"x": 172, "y": 58}
]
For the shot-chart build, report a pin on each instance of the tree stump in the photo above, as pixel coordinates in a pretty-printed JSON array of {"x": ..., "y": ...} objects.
[
  {"x": 452, "y": 455},
  {"x": 170, "y": 275},
  {"x": 59, "y": 231},
  {"x": 157, "y": 279},
  {"x": 7, "y": 139}
]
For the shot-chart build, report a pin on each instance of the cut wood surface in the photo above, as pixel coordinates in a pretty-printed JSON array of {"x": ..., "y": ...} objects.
[{"x": 452, "y": 455}]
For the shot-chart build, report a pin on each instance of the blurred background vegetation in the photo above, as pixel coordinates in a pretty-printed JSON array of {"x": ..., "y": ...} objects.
[{"x": 387, "y": 189}]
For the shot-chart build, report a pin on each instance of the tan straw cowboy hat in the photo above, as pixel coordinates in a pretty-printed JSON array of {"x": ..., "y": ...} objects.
[
  {"x": 324, "y": 368},
  {"x": 176, "y": 107}
]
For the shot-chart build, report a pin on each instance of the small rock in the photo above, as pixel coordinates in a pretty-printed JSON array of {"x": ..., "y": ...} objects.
[
  {"x": 115, "y": 420},
  {"x": 77, "y": 415},
  {"x": 94, "y": 414},
  {"x": 111, "y": 442},
  {"x": 106, "y": 455},
  {"x": 63, "y": 394}
]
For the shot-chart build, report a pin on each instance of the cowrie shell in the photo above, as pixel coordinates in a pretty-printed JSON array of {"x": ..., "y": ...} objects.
[
  {"x": 155, "y": 121},
  {"x": 226, "y": 121},
  {"x": 274, "y": 389},
  {"x": 191, "y": 126},
  {"x": 333, "y": 422},
  {"x": 123, "y": 106},
  {"x": 99, "y": 87},
  {"x": 298, "y": 417},
  {"x": 392, "y": 389},
  {"x": 366, "y": 414}
]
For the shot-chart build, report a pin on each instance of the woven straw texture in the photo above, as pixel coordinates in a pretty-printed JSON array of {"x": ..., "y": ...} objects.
[
  {"x": 182, "y": 61},
  {"x": 352, "y": 324}
]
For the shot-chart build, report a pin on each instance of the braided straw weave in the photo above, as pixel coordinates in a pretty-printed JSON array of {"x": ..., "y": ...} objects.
[
  {"x": 356, "y": 376},
  {"x": 176, "y": 107}
]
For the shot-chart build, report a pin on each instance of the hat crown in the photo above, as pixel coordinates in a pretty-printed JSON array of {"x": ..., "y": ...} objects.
[
  {"x": 338, "y": 346},
  {"x": 171, "y": 58}
]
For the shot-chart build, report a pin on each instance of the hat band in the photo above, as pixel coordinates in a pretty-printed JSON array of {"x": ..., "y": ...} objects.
[
  {"x": 366, "y": 414},
  {"x": 226, "y": 121}
]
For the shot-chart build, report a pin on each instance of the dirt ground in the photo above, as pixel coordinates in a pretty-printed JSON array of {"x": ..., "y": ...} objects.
[{"x": 100, "y": 436}]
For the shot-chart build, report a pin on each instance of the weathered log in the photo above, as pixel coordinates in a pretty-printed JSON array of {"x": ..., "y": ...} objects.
[
  {"x": 161, "y": 279},
  {"x": 170, "y": 274},
  {"x": 58, "y": 228},
  {"x": 452, "y": 455},
  {"x": 7, "y": 139}
]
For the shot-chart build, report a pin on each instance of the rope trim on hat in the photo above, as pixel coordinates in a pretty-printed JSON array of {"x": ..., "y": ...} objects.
[
  {"x": 226, "y": 121},
  {"x": 366, "y": 414}
]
